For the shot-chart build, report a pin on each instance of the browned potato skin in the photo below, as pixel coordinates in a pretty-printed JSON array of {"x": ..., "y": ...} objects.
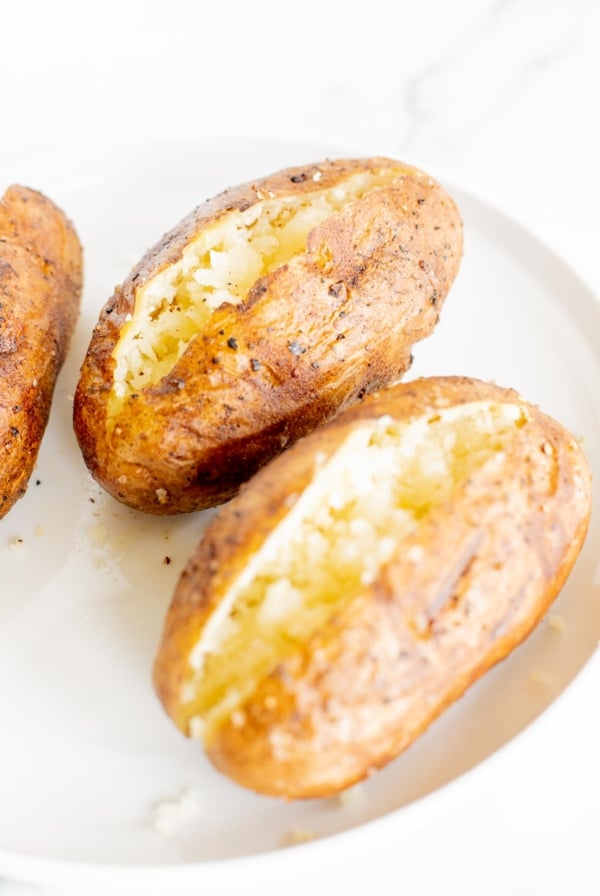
[
  {"x": 214, "y": 420},
  {"x": 40, "y": 290},
  {"x": 384, "y": 667}
]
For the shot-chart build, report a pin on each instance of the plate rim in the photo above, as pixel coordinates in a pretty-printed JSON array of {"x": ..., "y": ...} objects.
[{"x": 29, "y": 868}]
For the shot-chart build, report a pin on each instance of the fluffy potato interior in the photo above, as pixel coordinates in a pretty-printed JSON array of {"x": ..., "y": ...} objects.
[
  {"x": 362, "y": 503},
  {"x": 219, "y": 266}
]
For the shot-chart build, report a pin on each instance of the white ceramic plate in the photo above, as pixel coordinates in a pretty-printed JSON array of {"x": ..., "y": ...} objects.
[{"x": 93, "y": 776}]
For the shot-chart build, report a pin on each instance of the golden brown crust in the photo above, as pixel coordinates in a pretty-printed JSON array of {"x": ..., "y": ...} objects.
[
  {"x": 384, "y": 667},
  {"x": 311, "y": 338},
  {"x": 40, "y": 291}
]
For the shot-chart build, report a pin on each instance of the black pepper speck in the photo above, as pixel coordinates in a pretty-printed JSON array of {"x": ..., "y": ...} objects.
[{"x": 337, "y": 289}]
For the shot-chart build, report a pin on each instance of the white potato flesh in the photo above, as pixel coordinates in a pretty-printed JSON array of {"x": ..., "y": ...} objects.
[
  {"x": 221, "y": 265},
  {"x": 368, "y": 497}
]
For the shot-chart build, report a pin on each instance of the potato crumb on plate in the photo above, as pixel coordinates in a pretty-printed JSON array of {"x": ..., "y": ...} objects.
[
  {"x": 170, "y": 815},
  {"x": 557, "y": 623},
  {"x": 98, "y": 535},
  {"x": 299, "y": 835},
  {"x": 351, "y": 795},
  {"x": 538, "y": 676}
]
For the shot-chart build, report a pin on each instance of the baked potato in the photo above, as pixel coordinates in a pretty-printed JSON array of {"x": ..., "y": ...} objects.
[
  {"x": 40, "y": 291},
  {"x": 366, "y": 577},
  {"x": 259, "y": 317}
]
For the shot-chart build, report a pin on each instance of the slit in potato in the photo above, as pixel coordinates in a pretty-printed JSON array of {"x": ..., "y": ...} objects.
[
  {"x": 363, "y": 502},
  {"x": 220, "y": 266}
]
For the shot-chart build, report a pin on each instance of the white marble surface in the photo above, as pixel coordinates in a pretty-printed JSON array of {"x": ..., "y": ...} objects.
[{"x": 498, "y": 96}]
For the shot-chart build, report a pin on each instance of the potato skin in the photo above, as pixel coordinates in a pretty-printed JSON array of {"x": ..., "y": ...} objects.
[
  {"x": 311, "y": 338},
  {"x": 40, "y": 290},
  {"x": 386, "y": 665}
]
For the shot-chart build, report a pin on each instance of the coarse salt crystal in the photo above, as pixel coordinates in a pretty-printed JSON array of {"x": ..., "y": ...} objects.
[
  {"x": 416, "y": 554},
  {"x": 238, "y": 718}
]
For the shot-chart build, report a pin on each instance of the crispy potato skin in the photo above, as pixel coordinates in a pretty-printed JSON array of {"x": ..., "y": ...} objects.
[
  {"x": 324, "y": 335},
  {"x": 384, "y": 667},
  {"x": 40, "y": 290}
]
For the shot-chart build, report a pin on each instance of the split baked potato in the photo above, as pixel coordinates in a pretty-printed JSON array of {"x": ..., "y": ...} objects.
[
  {"x": 40, "y": 291},
  {"x": 366, "y": 577},
  {"x": 264, "y": 313}
]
